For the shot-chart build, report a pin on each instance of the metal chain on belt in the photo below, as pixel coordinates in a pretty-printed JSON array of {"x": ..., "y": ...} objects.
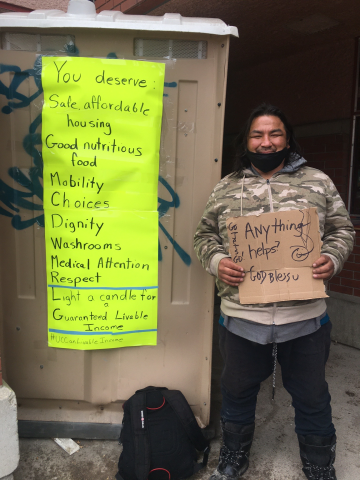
[{"x": 274, "y": 354}]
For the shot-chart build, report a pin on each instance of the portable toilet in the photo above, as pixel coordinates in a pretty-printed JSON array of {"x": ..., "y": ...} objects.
[{"x": 75, "y": 393}]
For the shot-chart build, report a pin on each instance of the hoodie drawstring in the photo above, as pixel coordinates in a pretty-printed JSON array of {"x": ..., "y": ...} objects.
[{"x": 242, "y": 192}]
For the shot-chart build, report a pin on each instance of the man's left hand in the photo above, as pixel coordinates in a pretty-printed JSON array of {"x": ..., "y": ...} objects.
[{"x": 323, "y": 268}]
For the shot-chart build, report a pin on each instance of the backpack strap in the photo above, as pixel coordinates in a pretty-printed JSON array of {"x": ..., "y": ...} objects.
[
  {"x": 182, "y": 409},
  {"x": 141, "y": 439}
]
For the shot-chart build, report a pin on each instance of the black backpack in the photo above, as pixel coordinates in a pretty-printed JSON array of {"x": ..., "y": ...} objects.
[{"x": 160, "y": 437}]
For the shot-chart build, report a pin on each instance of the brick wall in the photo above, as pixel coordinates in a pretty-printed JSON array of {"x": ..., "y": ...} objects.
[
  {"x": 311, "y": 86},
  {"x": 331, "y": 154},
  {"x": 348, "y": 280}
]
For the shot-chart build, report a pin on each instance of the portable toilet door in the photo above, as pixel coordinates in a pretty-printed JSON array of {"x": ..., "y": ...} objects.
[{"x": 76, "y": 393}]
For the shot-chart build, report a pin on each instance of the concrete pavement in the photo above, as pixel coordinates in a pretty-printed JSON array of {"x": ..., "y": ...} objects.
[{"x": 274, "y": 455}]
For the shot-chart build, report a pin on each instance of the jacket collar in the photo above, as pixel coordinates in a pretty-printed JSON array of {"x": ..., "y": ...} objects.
[{"x": 293, "y": 166}]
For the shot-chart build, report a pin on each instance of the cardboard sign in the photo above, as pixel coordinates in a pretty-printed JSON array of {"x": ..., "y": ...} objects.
[
  {"x": 277, "y": 251},
  {"x": 101, "y": 138}
]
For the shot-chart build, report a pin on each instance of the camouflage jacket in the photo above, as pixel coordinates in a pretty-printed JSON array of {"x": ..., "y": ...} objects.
[{"x": 296, "y": 186}]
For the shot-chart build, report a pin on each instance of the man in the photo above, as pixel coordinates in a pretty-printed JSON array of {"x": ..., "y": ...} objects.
[{"x": 271, "y": 175}]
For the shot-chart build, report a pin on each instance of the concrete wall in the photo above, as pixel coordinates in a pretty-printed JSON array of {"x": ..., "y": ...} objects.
[
  {"x": 348, "y": 281},
  {"x": 344, "y": 312}
]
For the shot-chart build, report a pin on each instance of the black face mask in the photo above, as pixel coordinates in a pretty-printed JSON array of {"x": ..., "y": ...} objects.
[{"x": 266, "y": 162}]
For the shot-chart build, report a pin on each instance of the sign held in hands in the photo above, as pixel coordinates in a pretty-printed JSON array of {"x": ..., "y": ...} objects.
[{"x": 277, "y": 251}]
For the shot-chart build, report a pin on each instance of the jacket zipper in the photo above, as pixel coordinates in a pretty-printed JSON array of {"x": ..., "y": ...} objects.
[
  {"x": 271, "y": 210},
  {"x": 270, "y": 196}
]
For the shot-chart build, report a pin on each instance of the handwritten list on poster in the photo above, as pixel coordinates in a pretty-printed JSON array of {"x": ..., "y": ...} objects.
[{"x": 101, "y": 138}]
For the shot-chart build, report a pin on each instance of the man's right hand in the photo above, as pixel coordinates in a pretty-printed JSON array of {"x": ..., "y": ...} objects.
[{"x": 230, "y": 273}]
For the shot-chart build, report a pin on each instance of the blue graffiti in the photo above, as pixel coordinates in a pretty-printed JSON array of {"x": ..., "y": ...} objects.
[
  {"x": 13, "y": 198},
  {"x": 32, "y": 198},
  {"x": 169, "y": 85},
  {"x": 11, "y": 92},
  {"x": 163, "y": 208}
]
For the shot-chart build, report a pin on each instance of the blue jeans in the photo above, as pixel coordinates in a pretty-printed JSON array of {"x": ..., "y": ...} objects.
[{"x": 302, "y": 362}]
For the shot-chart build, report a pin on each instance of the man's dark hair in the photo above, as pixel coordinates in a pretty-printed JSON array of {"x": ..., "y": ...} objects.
[{"x": 241, "y": 161}]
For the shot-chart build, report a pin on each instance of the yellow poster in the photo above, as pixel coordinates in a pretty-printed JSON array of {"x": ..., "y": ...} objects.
[{"x": 101, "y": 139}]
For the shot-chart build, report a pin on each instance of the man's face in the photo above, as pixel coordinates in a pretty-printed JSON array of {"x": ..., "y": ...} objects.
[{"x": 267, "y": 135}]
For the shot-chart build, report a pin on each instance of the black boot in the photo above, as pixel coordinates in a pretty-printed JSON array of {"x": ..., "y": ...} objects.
[
  {"x": 234, "y": 454},
  {"x": 318, "y": 456}
]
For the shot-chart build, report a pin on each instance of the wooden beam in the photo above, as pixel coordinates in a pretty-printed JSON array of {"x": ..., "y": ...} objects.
[{"x": 143, "y": 7}]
